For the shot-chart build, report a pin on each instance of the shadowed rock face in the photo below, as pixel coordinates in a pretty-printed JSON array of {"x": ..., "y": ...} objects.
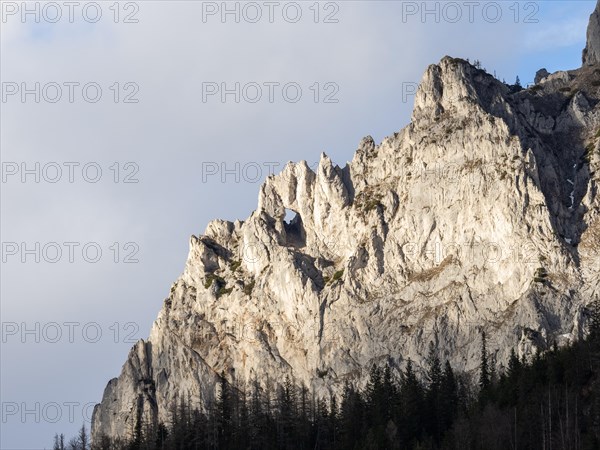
[
  {"x": 482, "y": 214},
  {"x": 591, "y": 52}
]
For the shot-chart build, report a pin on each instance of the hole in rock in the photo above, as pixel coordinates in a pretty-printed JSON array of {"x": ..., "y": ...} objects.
[
  {"x": 290, "y": 215},
  {"x": 294, "y": 230}
]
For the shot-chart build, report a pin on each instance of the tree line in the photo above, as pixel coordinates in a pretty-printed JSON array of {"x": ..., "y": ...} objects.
[{"x": 549, "y": 401}]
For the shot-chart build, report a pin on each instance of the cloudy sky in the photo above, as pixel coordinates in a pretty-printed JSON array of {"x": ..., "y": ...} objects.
[{"x": 126, "y": 127}]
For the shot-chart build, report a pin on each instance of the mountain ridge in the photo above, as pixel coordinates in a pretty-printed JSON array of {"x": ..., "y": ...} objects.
[{"x": 481, "y": 214}]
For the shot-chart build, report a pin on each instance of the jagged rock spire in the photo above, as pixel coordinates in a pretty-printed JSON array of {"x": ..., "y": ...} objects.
[{"x": 591, "y": 52}]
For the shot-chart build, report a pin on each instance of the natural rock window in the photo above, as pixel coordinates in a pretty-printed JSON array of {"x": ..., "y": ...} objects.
[
  {"x": 290, "y": 215},
  {"x": 294, "y": 229}
]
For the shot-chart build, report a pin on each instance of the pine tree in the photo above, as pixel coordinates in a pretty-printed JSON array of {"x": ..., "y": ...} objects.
[
  {"x": 243, "y": 418},
  {"x": 448, "y": 397},
  {"x": 174, "y": 422},
  {"x": 594, "y": 328},
  {"x": 513, "y": 375},
  {"x": 434, "y": 370},
  {"x": 374, "y": 397},
  {"x": 256, "y": 414},
  {"x": 389, "y": 394},
  {"x": 322, "y": 424},
  {"x": 224, "y": 413},
  {"x": 162, "y": 434},
  {"x": 434, "y": 381},
  {"x": 56, "y": 445},
  {"x": 517, "y": 86},
  {"x": 102, "y": 443},
  {"x": 411, "y": 393},
  {"x": 83, "y": 440},
  {"x": 484, "y": 369},
  {"x": 304, "y": 427},
  {"x": 287, "y": 413},
  {"x": 73, "y": 444},
  {"x": 514, "y": 365},
  {"x": 136, "y": 441},
  {"x": 334, "y": 421},
  {"x": 352, "y": 421}
]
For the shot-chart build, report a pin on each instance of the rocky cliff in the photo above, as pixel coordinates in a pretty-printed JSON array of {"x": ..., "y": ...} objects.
[
  {"x": 482, "y": 214},
  {"x": 591, "y": 52}
]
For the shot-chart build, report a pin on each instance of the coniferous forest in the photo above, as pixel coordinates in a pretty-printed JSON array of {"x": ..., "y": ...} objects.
[{"x": 551, "y": 401}]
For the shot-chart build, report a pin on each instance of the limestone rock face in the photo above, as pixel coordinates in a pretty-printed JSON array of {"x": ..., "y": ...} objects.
[
  {"x": 482, "y": 214},
  {"x": 540, "y": 75},
  {"x": 591, "y": 52}
]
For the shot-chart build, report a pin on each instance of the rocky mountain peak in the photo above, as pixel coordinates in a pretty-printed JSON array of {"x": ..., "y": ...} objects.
[
  {"x": 591, "y": 52},
  {"x": 482, "y": 214}
]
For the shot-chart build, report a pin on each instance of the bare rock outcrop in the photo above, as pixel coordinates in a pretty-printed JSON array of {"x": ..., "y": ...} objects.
[
  {"x": 591, "y": 52},
  {"x": 482, "y": 214}
]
